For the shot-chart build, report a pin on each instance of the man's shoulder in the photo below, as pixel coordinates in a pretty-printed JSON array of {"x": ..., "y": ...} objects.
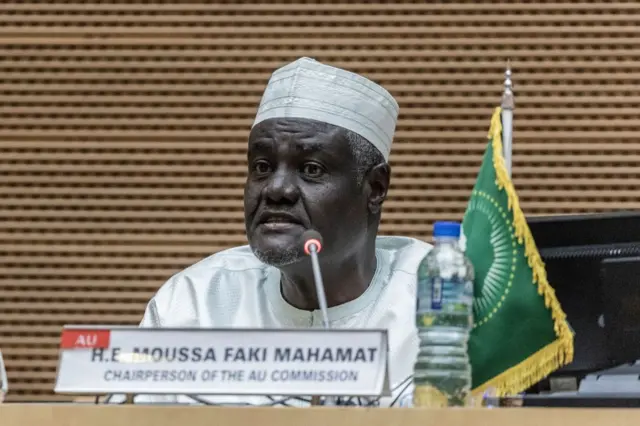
[
  {"x": 219, "y": 279},
  {"x": 407, "y": 246},
  {"x": 405, "y": 253},
  {"x": 235, "y": 259}
]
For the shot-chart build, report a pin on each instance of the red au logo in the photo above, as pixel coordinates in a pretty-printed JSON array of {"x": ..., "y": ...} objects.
[{"x": 85, "y": 339}]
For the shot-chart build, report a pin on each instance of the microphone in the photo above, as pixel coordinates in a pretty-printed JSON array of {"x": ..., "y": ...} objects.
[{"x": 312, "y": 243}]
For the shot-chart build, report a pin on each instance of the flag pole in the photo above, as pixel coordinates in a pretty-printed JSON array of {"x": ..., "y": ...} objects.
[{"x": 508, "y": 105}]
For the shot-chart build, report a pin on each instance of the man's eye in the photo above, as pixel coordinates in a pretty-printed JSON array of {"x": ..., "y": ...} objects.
[
  {"x": 261, "y": 167},
  {"x": 312, "y": 170}
]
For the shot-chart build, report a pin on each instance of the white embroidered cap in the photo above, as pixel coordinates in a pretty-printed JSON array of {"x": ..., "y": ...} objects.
[{"x": 310, "y": 89}]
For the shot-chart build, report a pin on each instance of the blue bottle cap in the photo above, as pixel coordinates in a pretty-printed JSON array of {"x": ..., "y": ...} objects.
[{"x": 446, "y": 229}]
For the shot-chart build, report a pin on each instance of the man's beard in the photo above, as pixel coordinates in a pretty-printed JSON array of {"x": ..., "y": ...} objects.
[{"x": 278, "y": 258}]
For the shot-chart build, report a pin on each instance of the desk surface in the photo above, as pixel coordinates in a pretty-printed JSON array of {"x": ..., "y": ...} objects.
[{"x": 79, "y": 415}]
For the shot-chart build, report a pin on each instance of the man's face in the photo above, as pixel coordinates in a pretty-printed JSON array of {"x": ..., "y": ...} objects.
[{"x": 302, "y": 175}]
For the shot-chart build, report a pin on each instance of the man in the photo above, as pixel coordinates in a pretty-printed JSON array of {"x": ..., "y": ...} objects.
[{"x": 317, "y": 159}]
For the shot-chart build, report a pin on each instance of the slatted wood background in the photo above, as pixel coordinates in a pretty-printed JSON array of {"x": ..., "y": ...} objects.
[{"x": 123, "y": 128}]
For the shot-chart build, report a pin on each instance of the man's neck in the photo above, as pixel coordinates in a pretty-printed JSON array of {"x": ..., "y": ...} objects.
[{"x": 343, "y": 282}]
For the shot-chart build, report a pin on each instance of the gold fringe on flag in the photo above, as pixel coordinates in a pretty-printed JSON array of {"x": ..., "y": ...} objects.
[{"x": 558, "y": 353}]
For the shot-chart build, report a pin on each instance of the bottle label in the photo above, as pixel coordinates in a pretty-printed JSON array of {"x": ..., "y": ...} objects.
[{"x": 436, "y": 293}]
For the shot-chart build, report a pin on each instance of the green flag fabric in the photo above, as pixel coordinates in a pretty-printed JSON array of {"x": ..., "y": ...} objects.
[{"x": 520, "y": 333}]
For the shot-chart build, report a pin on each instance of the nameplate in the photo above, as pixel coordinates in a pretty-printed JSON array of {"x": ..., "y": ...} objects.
[{"x": 286, "y": 362}]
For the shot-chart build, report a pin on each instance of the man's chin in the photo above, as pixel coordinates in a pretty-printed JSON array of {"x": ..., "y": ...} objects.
[
  {"x": 276, "y": 249},
  {"x": 278, "y": 257}
]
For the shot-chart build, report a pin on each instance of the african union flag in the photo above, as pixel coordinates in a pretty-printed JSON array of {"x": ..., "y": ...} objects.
[{"x": 520, "y": 333}]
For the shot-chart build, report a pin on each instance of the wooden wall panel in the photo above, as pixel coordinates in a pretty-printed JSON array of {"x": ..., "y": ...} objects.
[{"x": 123, "y": 128}]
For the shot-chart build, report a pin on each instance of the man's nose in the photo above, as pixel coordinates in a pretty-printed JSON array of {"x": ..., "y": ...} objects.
[{"x": 282, "y": 188}]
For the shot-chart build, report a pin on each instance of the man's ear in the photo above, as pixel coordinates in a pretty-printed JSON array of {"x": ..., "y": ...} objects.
[{"x": 377, "y": 185}]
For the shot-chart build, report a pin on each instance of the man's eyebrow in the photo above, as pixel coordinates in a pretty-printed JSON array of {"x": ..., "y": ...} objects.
[
  {"x": 261, "y": 145},
  {"x": 324, "y": 150},
  {"x": 311, "y": 147}
]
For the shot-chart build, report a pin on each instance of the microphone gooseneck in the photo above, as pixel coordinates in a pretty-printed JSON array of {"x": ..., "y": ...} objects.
[{"x": 312, "y": 244}]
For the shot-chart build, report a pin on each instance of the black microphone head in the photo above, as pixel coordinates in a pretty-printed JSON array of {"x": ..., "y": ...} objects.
[{"x": 310, "y": 237}]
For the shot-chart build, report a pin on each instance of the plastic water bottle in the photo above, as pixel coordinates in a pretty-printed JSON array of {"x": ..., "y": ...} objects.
[{"x": 444, "y": 317}]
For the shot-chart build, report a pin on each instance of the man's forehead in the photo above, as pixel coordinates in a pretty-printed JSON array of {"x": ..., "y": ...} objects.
[{"x": 301, "y": 133}]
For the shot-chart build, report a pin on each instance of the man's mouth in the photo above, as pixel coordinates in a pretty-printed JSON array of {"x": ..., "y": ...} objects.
[
  {"x": 278, "y": 226},
  {"x": 279, "y": 222}
]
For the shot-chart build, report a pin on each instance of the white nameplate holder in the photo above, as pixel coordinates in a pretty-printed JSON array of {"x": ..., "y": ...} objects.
[{"x": 270, "y": 362}]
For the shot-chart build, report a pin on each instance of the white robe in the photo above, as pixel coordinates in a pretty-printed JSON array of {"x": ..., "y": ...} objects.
[{"x": 233, "y": 288}]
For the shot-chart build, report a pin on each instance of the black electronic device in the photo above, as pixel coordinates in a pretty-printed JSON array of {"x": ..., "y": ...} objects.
[
  {"x": 588, "y": 264},
  {"x": 620, "y": 281}
]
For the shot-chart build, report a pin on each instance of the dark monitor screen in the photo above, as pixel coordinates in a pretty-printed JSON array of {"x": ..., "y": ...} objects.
[
  {"x": 620, "y": 278},
  {"x": 573, "y": 249}
]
